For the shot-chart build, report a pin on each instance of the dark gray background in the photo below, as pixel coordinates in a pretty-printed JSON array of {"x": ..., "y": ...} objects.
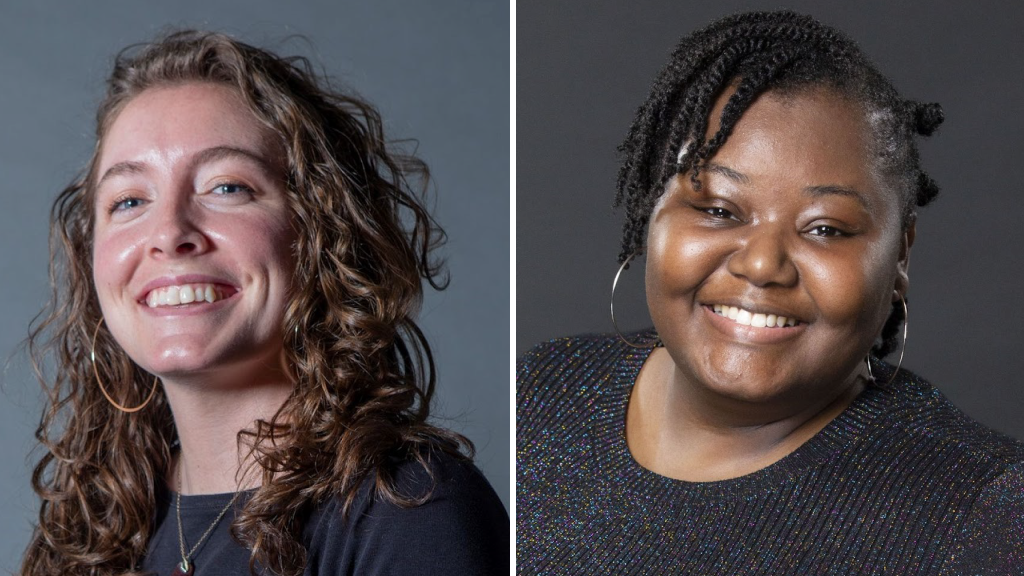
[
  {"x": 584, "y": 67},
  {"x": 439, "y": 72}
]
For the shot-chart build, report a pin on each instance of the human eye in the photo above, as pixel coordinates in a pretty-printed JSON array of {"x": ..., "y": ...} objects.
[
  {"x": 124, "y": 203},
  {"x": 230, "y": 188},
  {"x": 222, "y": 192},
  {"x": 717, "y": 212},
  {"x": 827, "y": 231}
]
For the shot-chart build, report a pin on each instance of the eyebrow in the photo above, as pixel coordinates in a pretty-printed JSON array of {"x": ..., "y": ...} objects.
[
  {"x": 202, "y": 157},
  {"x": 727, "y": 172},
  {"x": 817, "y": 191},
  {"x": 814, "y": 191}
]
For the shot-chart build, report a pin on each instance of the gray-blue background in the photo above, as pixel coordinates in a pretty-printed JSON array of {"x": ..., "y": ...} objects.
[
  {"x": 437, "y": 70},
  {"x": 584, "y": 67}
]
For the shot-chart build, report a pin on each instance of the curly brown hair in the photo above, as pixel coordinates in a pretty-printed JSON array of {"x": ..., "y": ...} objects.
[{"x": 363, "y": 372}]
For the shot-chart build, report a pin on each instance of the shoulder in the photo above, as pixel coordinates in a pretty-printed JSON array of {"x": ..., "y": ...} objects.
[
  {"x": 981, "y": 470},
  {"x": 570, "y": 398},
  {"x": 560, "y": 352},
  {"x": 460, "y": 528},
  {"x": 570, "y": 364},
  {"x": 989, "y": 542},
  {"x": 924, "y": 412},
  {"x": 559, "y": 381}
]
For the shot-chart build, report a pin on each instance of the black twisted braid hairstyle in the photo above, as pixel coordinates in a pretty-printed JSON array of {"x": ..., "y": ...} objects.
[{"x": 755, "y": 52}]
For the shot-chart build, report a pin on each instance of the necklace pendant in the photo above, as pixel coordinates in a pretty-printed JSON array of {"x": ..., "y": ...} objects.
[{"x": 183, "y": 568}]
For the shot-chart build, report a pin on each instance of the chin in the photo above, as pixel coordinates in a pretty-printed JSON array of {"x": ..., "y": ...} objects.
[
  {"x": 178, "y": 362},
  {"x": 747, "y": 390},
  {"x": 230, "y": 363},
  {"x": 750, "y": 392},
  {"x": 175, "y": 354},
  {"x": 741, "y": 383}
]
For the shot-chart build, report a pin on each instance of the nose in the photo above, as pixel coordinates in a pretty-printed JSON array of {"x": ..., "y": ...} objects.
[
  {"x": 763, "y": 258},
  {"x": 175, "y": 228}
]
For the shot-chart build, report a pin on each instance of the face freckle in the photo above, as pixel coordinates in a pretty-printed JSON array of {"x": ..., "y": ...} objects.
[
  {"x": 791, "y": 221},
  {"x": 193, "y": 234}
]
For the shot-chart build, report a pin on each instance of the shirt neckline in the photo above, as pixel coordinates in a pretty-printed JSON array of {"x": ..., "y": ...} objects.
[
  {"x": 831, "y": 440},
  {"x": 203, "y": 502}
]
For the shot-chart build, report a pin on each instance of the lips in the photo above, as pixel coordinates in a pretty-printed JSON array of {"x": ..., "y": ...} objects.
[
  {"x": 187, "y": 294},
  {"x": 191, "y": 289},
  {"x": 756, "y": 319},
  {"x": 748, "y": 332},
  {"x": 747, "y": 320}
]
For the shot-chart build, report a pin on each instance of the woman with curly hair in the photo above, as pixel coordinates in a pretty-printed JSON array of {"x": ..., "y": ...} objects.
[{"x": 238, "y": 383}]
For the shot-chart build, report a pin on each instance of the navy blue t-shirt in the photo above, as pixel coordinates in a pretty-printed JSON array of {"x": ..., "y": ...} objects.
[{"x": 463, "y": 529}]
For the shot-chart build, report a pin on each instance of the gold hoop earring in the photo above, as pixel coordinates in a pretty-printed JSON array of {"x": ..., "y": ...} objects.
[
  {"x": 99, "y": 381},
  {"x": 903, "y": 349},
  {"x": 615, "y": 283}
]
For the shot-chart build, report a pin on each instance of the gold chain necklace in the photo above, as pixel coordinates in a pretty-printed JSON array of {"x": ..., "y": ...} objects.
[{"x": 185, "y": 567}]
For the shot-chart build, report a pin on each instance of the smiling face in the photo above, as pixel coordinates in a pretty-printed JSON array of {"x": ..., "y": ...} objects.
[
  {"x": 791, "y": 221},
  {"x": 192, "y": 251}
]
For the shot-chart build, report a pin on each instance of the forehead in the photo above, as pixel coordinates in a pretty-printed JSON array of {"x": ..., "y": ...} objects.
[
  {"x": 811, "y": 138},
  {"x": 167, "y": 123},
  {"x": 812, "y": 135}
]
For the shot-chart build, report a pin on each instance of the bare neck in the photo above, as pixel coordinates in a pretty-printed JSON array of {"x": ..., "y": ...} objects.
[
  {"x": 669, "y": 434},
  {"x": 208, "y": 420}
]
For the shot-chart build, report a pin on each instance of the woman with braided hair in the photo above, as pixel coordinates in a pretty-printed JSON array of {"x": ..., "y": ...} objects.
[{"x": 771, "y": 179}]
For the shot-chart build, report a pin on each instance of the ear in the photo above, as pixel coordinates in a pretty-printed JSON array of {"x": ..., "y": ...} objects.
[{"x": 903, "y": 262}]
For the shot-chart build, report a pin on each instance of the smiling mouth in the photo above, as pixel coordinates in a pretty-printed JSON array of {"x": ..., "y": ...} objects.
[
  {"x": 755, "y": 319},
  {"x": 187, "y": 294}
]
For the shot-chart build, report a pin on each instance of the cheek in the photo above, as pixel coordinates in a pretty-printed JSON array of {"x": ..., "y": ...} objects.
[
  {"x": 679, "y": 260},
  {"x": 279, "y": 245},
  {"x": 263, "y": 240},
  {"x": 112, "y": 254},
  {"x": 851, "y": 288}
]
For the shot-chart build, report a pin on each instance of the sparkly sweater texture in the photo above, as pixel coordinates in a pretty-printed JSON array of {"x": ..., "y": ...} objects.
[{"x": 901, "y": 482}]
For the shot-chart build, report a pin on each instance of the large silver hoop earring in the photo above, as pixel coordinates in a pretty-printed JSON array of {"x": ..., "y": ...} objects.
[
  {"x": 99, "y": 381},
  {"x": 903, "y": 349},
  {"x": 615, "y": 284}
]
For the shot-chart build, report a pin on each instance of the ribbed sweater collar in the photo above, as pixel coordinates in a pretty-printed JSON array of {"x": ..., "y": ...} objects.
[{"x": 825, "y": 446}]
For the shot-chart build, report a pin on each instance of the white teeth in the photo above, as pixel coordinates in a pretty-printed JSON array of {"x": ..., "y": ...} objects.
[
  {"x": 755, "y": 319},
  {"x": 187, "y": 294},
  {"x": 743, "y": 317}
]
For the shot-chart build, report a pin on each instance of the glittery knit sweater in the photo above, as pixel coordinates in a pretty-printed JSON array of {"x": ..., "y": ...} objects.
[{"x": 901, "y": 482}]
